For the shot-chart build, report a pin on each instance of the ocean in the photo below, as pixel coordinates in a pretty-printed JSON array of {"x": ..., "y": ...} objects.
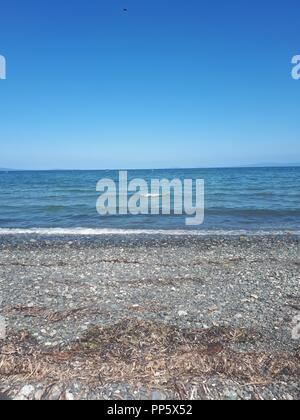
[{"x": 248, "y": 200}]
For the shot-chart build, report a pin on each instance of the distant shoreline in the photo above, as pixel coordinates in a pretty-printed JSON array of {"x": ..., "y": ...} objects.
[{"x": 258, "y": 166}]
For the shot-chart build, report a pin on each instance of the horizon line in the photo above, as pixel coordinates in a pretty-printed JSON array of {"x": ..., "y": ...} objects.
[{"x": 254, "y": 166}]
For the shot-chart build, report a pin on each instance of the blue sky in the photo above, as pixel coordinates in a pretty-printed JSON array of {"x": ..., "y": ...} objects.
[{"x": 167, "y": 84}]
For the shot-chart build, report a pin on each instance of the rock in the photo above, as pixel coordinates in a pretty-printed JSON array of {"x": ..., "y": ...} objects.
[
  {"x": 182, "y": 313},
  {"x": 230, "y": 395},
  {"x": 38, "y": 394},
  {"x": 25, "y": 392},
  {"x": 69, "y": 396},
  {"x": 55, "y": 393},
  {"x": 4, "y": 397},
  {"x": 158, "y": 396}
]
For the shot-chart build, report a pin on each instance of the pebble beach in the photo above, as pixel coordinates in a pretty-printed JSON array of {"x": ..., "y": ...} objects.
[{"x": 150, "y": 317}]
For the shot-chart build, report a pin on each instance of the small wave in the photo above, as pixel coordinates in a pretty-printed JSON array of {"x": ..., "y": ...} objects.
[
  {"x": 53, "y": 208},
  {"x": 99, "y": 232},
  {"x": 248, "y": 212}
]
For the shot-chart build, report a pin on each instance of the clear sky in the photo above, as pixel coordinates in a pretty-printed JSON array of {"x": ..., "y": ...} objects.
[{"x": 167, "y": 84}]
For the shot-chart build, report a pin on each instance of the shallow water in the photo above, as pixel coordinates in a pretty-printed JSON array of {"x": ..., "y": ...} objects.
[{"x": 241, "y": 199}]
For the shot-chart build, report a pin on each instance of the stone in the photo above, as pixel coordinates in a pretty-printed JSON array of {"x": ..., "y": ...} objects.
[
  {"x": 38, "y": 394},
  {"x": 69, "y": 396},
  {"x": 25, "y": 392},
  {"x": 4, "y": 397},
  {"x": 55, "y": 393},
  {"x": 158, "y": 396},
  {"x": 230, "y": 395}
]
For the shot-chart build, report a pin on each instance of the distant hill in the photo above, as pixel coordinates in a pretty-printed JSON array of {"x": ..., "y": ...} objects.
[
  {"x": 273, "y": 165},
  {"x": 6, "y": 170}
]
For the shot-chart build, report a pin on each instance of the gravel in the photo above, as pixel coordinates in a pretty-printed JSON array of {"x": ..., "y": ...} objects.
[{"x": 56, "y": 290}]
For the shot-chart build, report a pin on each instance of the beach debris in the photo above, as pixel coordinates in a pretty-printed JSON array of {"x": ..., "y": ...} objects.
[
  {"x": 145, "y": 355},
  {"x": 112, "y": 348}
]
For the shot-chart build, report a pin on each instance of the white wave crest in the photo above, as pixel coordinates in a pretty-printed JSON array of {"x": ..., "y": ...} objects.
[{"x": 97, "y": 232}]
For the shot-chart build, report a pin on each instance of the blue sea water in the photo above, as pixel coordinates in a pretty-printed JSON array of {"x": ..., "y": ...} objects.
[{"x": 239, "y": 199}]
